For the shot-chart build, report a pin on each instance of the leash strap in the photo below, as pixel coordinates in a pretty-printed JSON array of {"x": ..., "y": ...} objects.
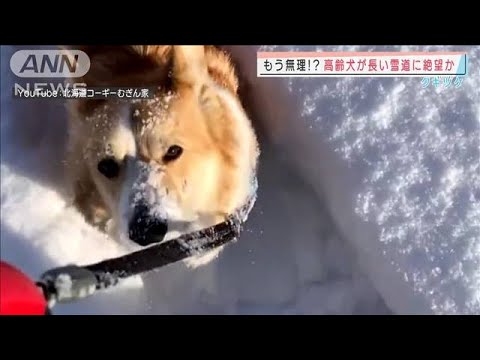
[
  {"x": 69, "y": 283},
  {"x": 72, "y": 282},
  {"x": 196, "y": 243}
]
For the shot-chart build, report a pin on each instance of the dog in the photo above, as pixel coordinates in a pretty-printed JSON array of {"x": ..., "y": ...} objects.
[{"x": 149, "y": 170}]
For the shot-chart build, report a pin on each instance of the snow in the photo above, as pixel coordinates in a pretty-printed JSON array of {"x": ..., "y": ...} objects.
[
  {"x": 368, "y": 202},
  {"x": 399, "y": 167}
]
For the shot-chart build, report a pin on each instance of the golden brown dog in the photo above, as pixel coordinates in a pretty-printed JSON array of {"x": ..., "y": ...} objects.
[{"x": 150, "y": 170}]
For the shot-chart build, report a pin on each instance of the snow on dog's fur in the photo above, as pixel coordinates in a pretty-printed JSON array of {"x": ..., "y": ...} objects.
[{"x": 150, "y": 170}]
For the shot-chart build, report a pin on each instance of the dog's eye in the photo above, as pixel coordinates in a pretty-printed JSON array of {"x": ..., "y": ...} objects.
[
  {"x": 172, "y": 153},
  {"x": 109, "y": 168}
]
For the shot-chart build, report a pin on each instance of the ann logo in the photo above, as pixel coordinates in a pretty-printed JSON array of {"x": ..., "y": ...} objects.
[
  {"x": 39, "y": 64},
  {"x": 49, "y": 63}
]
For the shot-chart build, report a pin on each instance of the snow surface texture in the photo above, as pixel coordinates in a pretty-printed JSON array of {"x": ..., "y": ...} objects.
[
  {"x": 399, "y": 166},
  {"x": 392, "y": 166}
]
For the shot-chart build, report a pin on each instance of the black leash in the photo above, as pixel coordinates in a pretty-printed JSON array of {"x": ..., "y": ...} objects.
[
  {"x": 166, "y": 253},
  {"x": 69, "y": 283}
]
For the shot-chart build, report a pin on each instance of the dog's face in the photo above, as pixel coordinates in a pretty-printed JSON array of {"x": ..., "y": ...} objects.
[{"x": 179, "y": 162}]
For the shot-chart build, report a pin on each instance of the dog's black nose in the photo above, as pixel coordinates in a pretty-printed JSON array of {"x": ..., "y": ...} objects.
[{"x": 145, "y": 229}]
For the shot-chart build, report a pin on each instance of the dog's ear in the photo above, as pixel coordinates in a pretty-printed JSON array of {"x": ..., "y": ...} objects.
[
  {"x": 156, "y": 52},
  {"x": 190, "y": 65},
  {"x": 221, "y": 68}
]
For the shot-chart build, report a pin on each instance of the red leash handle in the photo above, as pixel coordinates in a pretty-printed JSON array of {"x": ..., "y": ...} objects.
[{"x": 18, "y": 293}]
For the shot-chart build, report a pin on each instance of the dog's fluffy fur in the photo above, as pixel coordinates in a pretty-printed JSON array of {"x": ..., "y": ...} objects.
[{"x": 196, "y": 107}]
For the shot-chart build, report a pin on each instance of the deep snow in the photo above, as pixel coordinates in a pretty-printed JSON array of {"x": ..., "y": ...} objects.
[
  {"x": 357, "y": 176},
  {"x": 399, "y": 168}
]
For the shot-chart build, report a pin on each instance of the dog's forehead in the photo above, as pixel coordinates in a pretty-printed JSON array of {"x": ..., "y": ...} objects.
[{"x": 153, "y": 111}]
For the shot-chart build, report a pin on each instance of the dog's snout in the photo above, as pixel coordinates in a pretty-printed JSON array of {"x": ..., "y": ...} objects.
[{"x": 145, "y": 229}]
